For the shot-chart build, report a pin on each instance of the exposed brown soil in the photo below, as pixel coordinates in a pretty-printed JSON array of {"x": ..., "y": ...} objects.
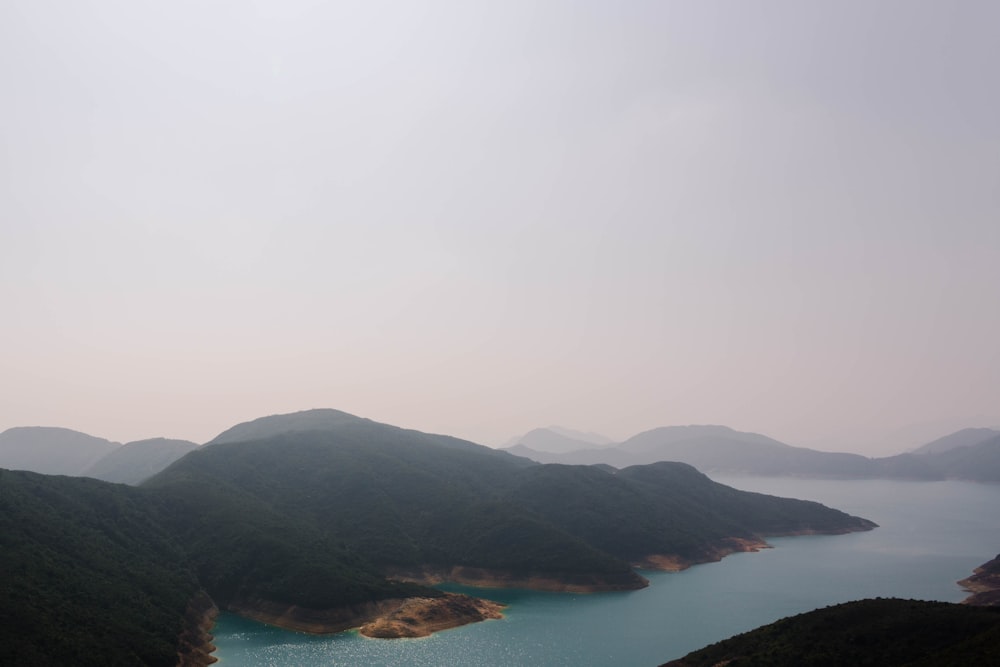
[
  {"x": 420, "y": 617},
  {"x": 408, "y": 617},
  {"x": 194, "y": 646},
  {"x": 675, "y": 563}
]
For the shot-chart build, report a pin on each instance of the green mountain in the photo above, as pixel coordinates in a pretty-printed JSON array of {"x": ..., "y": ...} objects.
[
  {"x": 52, "y": 451},
  {"x": 90, "y": 576},
  {"x": 306, "y": 522},
  {"x": 406, "y": 500},
  {"x": 135, "y": 461},
  {"x": 884, "y": 632}
]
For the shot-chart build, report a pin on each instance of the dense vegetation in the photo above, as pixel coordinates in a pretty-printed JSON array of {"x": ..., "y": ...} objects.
[
  {"x": 884, "y": 632},
  {"x": 89, "y": 576},
  {"x": 404, "y": 498},
  {"x": 314, "y": 512}
]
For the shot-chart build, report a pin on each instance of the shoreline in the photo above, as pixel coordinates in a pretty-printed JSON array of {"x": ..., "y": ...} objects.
[
  {"x": 983, "y": 584},
  {"x": 382, "y": 619},
  {"x": 194, "y": 644},
  {"x": 676, "y": 563},
  {"x": 422, "y": 616}
]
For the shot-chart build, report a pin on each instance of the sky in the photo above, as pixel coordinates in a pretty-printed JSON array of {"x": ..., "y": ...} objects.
[{"x": 477, "y": 218}]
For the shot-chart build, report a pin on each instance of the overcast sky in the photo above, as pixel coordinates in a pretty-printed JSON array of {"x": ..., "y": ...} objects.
[{"x": 476, "y": 218}]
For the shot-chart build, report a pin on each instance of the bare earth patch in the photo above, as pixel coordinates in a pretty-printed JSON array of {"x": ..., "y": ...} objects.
[{"x": 420, "y": 617}]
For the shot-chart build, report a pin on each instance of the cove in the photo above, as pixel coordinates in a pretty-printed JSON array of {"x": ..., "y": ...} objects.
[{"x": 931, "y": 534}]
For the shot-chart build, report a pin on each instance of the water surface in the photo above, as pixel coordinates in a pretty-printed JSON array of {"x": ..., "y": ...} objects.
[{"x": 931, "y": 534}]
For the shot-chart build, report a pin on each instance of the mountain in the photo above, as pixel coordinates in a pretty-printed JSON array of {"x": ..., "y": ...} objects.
[
  {"x": 306, "y": 420},
  {"x": 52, "y": 451},
  {"x": 977, "y": 463},
  {"x": 327, "y": 521},
  {"x": 135, "y": 461},
  {"x": 89, "y": 575},
  {"x": 971, "y": 454},
  {"x": 722, "y": 449},
  {"x": 964, "y": 438},
  {"x": 413, "y": 503},
  {"x": 558, "y": 440},
  {"x": 885, "y": 632},
  {"x": 716, "y": 449}
]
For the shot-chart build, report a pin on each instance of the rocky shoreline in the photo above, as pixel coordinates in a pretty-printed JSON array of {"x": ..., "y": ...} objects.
[
  {"x": 384, "y": 619},
  {"x": 194, "y": 646},
  {"x": 676, "y": 563},
  {"x": 984, "y": 584}
]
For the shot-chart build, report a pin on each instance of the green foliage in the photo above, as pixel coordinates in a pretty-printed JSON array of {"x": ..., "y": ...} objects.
[
  {"x": 884, "y": 632},
  {"x": 89, "y": 577},
  {"x": 99, "y": 573},
  {"x": 403, "y": 498}
]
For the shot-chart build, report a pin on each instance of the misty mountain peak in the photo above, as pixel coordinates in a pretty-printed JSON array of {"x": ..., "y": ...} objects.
[
  {"x": 320, "y": 419},
  {"x": 51, "y": 450}
]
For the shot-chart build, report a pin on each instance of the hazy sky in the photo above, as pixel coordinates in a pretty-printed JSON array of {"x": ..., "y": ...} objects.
[{"x": 477, "y": 218}]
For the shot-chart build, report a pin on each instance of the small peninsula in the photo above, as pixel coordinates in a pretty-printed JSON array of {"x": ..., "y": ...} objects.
[{"x": 984, "y": 584}]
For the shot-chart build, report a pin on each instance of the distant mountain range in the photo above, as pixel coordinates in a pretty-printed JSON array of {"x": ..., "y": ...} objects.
[
  {"x": 970, "y": 454},
  {"x": 52, "y": 451},
  {"x": 559, "y": 440},
  {"x": 323, "y": 521},
  {"x": 61, "y": 451},
  {"x": 136, "y": 461}
]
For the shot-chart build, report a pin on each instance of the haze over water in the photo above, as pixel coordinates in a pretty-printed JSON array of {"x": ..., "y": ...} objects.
[{"x": 931, "y": 534}]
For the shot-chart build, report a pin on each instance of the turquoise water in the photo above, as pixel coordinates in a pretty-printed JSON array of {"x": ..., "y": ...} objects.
[{"x": 931, "y": 534}]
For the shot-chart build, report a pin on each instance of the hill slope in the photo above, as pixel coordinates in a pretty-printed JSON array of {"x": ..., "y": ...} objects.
[
  {"x": 410, "y": 501},
  {"x": 963, "y": 438},
  {"x": 89, "y": 575},
  {"x": 887, "y": 632},
  {"x": 135, "y": 461},
  {"x": 50, "y": 450}
]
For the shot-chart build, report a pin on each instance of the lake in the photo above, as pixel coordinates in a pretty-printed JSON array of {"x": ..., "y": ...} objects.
[{"x": 931, "y": 534}]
